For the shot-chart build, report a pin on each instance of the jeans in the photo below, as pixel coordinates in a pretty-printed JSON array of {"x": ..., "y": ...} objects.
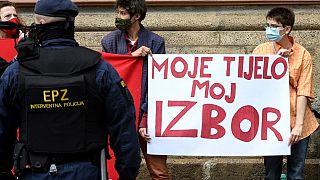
[{"x": 295, "y": 162}]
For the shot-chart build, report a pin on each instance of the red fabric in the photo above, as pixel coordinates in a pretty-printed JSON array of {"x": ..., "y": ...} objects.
[
  {"x": 112, "y": 172},
  {"x": 7, "y": 50},
  {"x": 130, "y": 70}
]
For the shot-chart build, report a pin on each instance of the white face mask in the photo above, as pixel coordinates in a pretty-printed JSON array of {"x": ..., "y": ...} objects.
[{"x": 273, "y": 34}]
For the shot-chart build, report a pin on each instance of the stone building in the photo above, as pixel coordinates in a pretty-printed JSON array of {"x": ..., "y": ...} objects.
[{"x": 209, "y": 26}]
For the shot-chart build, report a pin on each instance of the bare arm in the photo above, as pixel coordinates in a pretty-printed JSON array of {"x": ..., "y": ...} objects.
[{"x": 297, "y": 129}]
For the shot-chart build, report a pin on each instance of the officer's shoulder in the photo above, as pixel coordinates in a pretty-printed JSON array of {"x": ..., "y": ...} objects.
[
  {"x": 105, "y": 69},
  {"x": 13, "y": 66},
  {"x": 12, "y": 69},
  {"x": 103, "y": 65},
  {"x": 88, "y": 50}
]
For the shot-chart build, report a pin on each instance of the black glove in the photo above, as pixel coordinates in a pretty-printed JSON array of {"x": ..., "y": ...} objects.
[{"x": 6, "y": 176}]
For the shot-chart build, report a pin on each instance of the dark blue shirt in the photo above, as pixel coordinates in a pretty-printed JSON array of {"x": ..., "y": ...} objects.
[{"x": 115, "y": 42}]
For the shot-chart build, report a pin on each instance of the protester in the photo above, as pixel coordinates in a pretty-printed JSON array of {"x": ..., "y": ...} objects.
[
  {"x": 280, "y": 23},
  {"x": 132, "y": 37},
  {"x": 9, "y": 35},
  {"x": 8, "y": 13},
  {"x": 64, "y": 98}
]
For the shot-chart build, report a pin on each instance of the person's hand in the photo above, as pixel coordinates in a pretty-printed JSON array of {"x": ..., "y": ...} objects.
[
  {"x": 295, "y": 134},
  {"x": 284, "y": 52},
  {"x": 21, "y": 35},
  {"x": 144, "y": 135},
  {"x": 142, "y": 51}
]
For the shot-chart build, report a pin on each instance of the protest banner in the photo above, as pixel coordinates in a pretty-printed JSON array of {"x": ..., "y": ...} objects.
[{"x": 218, "y": 105}]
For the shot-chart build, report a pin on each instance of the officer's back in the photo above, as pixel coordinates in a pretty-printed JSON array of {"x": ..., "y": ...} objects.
[{"x": 64, "y": 98}]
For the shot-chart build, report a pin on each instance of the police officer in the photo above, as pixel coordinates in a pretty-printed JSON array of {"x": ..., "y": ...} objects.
[{"x": 64, "y": 98}]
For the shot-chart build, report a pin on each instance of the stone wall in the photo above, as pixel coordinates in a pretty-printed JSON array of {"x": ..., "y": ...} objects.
[
  {"x": 215, "y": 29},
  {"x": 208, "y": 29}
]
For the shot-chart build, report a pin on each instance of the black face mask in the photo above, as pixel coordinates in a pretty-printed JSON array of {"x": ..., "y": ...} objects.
[
  {"x": 43, "y": 32},
  {"x": 123, "y": 24}
]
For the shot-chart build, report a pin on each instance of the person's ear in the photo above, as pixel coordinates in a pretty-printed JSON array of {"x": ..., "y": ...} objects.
[
  {"x": 137, "y": 16},
  {"x": 288, "y": 29}
]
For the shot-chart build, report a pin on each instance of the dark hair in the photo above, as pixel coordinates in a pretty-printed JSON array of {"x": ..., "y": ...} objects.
[
  {"x": 282, "y": 15},
  {"x": 133, "y": 7},
  {"x": 6, "y": 3}
]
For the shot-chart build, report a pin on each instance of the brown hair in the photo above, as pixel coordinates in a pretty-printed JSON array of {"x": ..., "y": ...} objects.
[
  {"x": 282, "y": 15},
  {"x": 6, "y": 3},
  {"x": 133, "y": 7}
]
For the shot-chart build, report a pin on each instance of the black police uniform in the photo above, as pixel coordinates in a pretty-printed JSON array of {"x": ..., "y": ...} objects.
[{"x": 65, "y": 99}]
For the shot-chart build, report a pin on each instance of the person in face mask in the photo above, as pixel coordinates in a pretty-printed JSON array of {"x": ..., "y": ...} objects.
[
  {"x": 8, "y": 13},
  {"x": 131, "y": 37},
  {"x": 303, "y": 123},
  {"x": 65, "y": 100},
  {"x": 9, "y": 37}
]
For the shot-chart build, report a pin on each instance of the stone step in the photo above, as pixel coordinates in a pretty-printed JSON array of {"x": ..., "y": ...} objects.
[{"x": 223, "y": 168}]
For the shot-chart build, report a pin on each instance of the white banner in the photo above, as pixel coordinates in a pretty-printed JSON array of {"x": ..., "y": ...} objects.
[{"x": 218, "y": 105}]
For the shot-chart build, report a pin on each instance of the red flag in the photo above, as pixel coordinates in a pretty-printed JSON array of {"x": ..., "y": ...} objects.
[
  {"x": 7, "y": 50},
  {"x": 130, "y": 70}
]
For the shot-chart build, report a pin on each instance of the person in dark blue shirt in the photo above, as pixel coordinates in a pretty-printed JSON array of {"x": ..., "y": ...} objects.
[
  {"x": 131, "y": 37},
  {"x": 64, "y": 99}
]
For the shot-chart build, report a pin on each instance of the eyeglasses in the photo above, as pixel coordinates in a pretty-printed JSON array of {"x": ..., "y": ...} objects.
[{"x": 273, "y": 26}]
